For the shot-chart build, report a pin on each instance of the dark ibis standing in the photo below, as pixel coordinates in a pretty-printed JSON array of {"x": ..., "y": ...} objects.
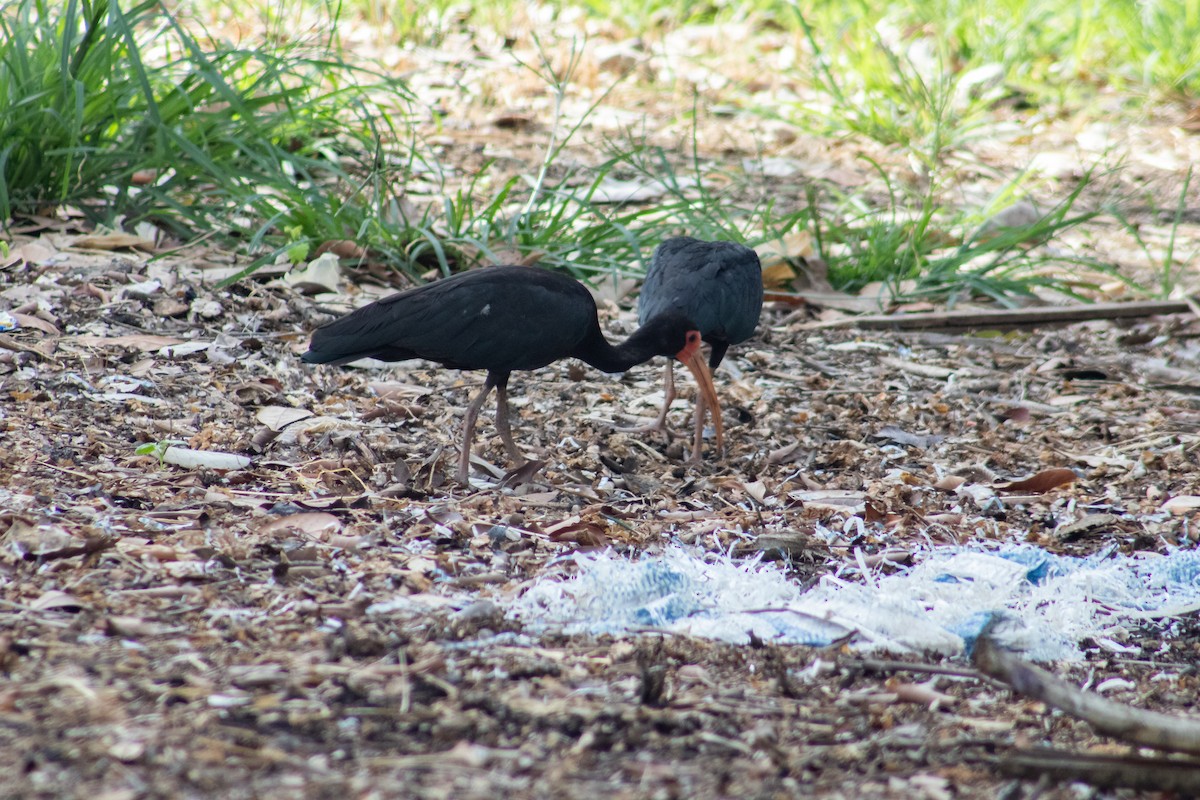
[
  {"x": 501, "y": 319},
  {"x": 719, "y": 286}
]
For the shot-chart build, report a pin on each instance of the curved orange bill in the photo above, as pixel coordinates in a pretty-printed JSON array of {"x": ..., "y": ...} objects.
[{"x": 708, "y": 393}]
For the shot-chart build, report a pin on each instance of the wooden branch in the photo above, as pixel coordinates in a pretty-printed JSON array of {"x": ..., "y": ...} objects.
[
  {"x": 1147, "y": 728},
  {"x": 1105, "y": 772},
  {"x": 1009, "y": 318}
]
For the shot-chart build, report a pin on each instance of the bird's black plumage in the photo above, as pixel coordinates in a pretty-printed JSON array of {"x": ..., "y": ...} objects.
[
  {"x": 718, "y": 285},
  {"x": 494, "y": 319},
  {"x": 499, "y": 319}
]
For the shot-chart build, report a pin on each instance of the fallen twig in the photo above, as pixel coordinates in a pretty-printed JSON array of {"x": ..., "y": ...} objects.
[
  {"x": 877, "y": 665},
  {"x": 1105, "y": 772},
  {"x": 1009, "y": 317},
  {"x": 1148, "y": 728}
]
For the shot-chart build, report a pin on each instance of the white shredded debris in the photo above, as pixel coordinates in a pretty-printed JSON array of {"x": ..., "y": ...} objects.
[{"x": 1047, "y": 604}]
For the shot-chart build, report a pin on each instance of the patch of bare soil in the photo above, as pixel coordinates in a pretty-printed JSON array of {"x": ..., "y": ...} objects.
[{"x": 328, "y": 622}]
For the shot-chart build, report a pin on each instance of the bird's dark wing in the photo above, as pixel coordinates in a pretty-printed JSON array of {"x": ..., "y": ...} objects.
[
  {"x": 718, "y": 285},
  {"x": 498, "y": 318}
]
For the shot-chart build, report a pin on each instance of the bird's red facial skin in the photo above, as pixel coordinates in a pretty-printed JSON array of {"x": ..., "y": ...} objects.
[{"x": 691, "y": 347}]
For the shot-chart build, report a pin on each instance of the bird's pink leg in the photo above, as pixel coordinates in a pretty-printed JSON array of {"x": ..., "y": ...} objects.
[
  {"x": 669, "y": 396},
  {"x": 698, "y": 435},
  {"x": 502, "y": 426},
  {"x": 464, "y": 458},
  {"x": 706, "y": 399}
]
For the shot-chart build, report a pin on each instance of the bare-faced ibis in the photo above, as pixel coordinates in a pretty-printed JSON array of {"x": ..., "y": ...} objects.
[
  {"x": 501, "y": 319},
  {"x": 719, "y": 286}
]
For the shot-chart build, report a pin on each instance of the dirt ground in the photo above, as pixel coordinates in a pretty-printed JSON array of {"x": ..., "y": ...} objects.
[{"x": 328, "y": 620}]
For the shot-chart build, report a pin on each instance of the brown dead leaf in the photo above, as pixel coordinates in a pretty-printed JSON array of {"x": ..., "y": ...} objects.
[
  {"x": 777, "y": 255},
  {"x": 522, "y": 474},
  {"x": 113, "y": 241},
  {"x": 9, "y": 656},
  {"x": 253, "y": 393},
  {"x": 874, "y": 511},
  {"x": 279, "y": 417},
  {"x": 257, "y": 676},
  {"x": 786, "y": 454},
  {"x": 756, "y": 490},
  {"x": 43, "y": 349},
  {"x": 313, "y": 523},
  {"x": 55, "y": 600},
  {"x": 587, "y": 535},
  {"x": 34, "y": 541},
  {"x": 158, "y": 552},
  {"x": 1191, "y": 122},
  {"x": 391, "y": 408},
  {"x": 1181, "y": 504},
  {"x": 342, "y": 248},
  {"x": 1017, "y": 414},
  {"x": 779, "y": 274},
  {"x": 31, "y": 253},
  {"x": 170, "y": 307},
  {"x": 1092, "y": 526},
  {"x": 949, "y": 483},
  {"x": 386, "y": 388},
  {"x": 37, "y": 323},
  {"x": 261, "y": 438},
  {"x": 1042, "y": 482}
]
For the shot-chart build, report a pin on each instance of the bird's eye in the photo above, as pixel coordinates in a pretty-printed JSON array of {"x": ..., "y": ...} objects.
[{"x": 693, "y": 337}]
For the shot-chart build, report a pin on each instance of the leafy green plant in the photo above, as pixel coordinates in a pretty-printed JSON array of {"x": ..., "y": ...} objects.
[
  {"x": 919, "y": 249},
  {"x": 869, "y": 88},
  {"x": 549, "y": 216},
  {"x": 1160, "y": 42},
  {"x": 1169, "y": 268},
  {"x": 195, "y": 136},
  {"x": 131, "y": 116},
  {"x": 158, "y": 449}
]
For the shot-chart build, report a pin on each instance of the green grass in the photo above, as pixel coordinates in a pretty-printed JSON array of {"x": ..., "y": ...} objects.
[
  {"x": 1170, "y": 267},
  {"x": 924, "y": 79},
  {"x": 285, "y": 142},
  {"x": 126, "y": 115},
  {"x": 1042, "y": 44}
]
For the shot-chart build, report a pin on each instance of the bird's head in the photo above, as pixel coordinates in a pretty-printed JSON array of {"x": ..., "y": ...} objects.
[
  {"x": 691, "y": 345},
  {"x": 671, "y": 335},
  {"x": 676, "y": 335}
]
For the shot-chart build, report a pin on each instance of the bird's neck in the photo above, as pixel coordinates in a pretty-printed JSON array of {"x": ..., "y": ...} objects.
[{"x": 606, "y": 357}]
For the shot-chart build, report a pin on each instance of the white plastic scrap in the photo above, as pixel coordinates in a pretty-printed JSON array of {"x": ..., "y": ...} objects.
[
  {"x": 207, "y": 459},
  {"x": 1046, "y": 604}
]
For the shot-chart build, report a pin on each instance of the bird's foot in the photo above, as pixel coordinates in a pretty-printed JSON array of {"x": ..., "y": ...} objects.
[
  {"x": 717, "y": 450},
  {"x": 652, "y": 427},
  {"x": 522, "y": 473}
]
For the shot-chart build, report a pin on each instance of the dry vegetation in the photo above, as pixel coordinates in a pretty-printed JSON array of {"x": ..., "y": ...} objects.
[{"x": 330, "y": 620}]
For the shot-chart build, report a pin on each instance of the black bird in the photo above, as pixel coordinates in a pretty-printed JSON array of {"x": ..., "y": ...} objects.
[
  {"x": 501, "y": 319},
  {"x": 719, "y": 286}
]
